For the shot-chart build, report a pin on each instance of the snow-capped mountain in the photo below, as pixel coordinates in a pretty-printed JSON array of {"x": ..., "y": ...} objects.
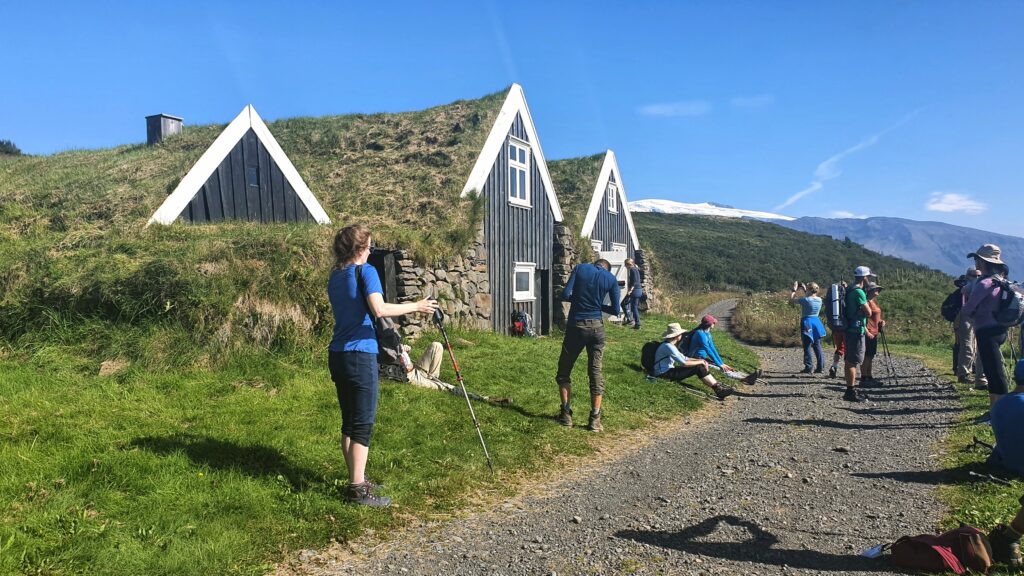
[{"x": 704, "y": 209}]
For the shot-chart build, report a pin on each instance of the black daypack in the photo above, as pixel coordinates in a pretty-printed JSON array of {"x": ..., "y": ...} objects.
[
  {"x": 837, "y": 307},
  {"x": 952, "y": 304},
  {"x": 647, "y": 354},
  {"x": 1011, "y": 303},
  {"x": 389, "y": 341}
]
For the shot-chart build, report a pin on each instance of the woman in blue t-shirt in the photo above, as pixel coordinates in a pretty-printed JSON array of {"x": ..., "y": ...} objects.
[
  {"x": 811, "y": 328},
  {"x": 353, "y": 351}
]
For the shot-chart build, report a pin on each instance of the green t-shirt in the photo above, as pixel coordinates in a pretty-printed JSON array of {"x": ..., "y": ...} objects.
[{"x": 855, "y": 318}]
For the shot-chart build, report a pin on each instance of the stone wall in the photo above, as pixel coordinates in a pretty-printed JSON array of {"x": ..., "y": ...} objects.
[
  {"x": 564, "y": 259},
  {"x": 461, "y": 287},
  {"x": 650, "y": 303}
]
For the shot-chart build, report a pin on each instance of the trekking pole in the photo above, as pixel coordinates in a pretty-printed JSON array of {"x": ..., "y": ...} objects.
[
  {"x": 439, "y": 320},
  {"x": 888, "y": 356}
]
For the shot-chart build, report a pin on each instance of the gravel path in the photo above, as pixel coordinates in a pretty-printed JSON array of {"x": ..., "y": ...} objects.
[{"x": 786, "y": 478}]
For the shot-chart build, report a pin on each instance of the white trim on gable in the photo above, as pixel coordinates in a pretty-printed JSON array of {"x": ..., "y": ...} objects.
[
  {"x": 189, "y": 186},
  {"x": 599, "y": 198},
  {"x": 515, "y": 103}
]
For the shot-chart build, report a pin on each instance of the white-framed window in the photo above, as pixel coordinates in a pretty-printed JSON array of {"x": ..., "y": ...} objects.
[
  {"x": 597, "y": 245},
  {"x": 619, "y": 249},
  {"x": 613, "y": 197},
  {"x": 518, "y": 172},
  {"x": 522, "y": 281}
]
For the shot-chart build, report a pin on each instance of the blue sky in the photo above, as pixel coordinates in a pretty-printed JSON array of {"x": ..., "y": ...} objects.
[{"x": 911, "y": 109}]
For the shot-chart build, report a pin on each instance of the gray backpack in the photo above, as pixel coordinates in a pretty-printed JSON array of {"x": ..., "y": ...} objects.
[{"x": 1011, "y": 303}]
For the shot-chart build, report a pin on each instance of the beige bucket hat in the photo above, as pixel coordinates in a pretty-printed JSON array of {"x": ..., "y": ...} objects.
[
  {"x": 673, "y": 330},
  {"x": 989, "y": 253}
]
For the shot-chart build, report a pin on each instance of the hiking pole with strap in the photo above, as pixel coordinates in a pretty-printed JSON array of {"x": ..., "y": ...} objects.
[
  {"x": 439, "y": 320},
  {"x": 888, "y": 356}
]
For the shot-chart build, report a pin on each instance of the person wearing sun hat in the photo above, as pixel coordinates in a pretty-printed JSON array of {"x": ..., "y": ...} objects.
[
  {"x": 671, "y": 364},
  {"x": 966, "y": 359},
  {"x": 856, "y": 312},
  {"x": 980, "y": 309}
]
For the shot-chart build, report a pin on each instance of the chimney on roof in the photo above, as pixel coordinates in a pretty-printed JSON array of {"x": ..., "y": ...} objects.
[{"x": 160, "y": 126}]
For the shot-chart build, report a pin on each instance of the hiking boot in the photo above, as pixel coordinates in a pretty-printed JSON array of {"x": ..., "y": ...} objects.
[
  {"x": 964, "y": 380},
  {"x": 723, "y": 392},
  {"x": 870, "y": 383},
  {"x": 565, "y": 418},
  {"x": 805, "y": 371},
  {"x": 851, "y": 395},
  {"x": 595, "y": 423},
  {"x": 832, "y": 372},
  {"x": 1005, "y": 543},
  {"x": 819, "y": 370},
  {"x": 363, "y": 495},
  {"x": 981, "y": 386},
  {"x": 751, "y": 379}
]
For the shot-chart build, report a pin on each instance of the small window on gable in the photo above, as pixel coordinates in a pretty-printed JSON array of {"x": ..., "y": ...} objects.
[
  {"x": 518, "y": 172},
  {"x": 613, "y": 197},
  {"x": 522, "y": 282}
]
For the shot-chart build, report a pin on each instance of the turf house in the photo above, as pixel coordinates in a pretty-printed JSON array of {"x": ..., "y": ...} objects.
[
  {"x": 243, "y": 175},
  {"x": 598, "y": 222}
]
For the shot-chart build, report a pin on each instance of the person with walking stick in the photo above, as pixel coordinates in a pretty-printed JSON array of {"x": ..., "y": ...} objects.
[
  {"x": 588, "y": 288},
  {"x": 872, "y": 334},
  {"x": 355, "y": 293},
  {"x": 856, "y": 311}
]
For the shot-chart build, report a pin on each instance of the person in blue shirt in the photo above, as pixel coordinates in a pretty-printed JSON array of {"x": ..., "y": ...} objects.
[
  {"x": 588, "y": 288},
  {"x": 702, "y": 347},
  {"x": 1008, "y": 426},
  {"x": 671, "y": 364},
  {"x": 355, "y": 293},
  {"x": 634, "y": 293},
  {"x": 811, "y": 328}
]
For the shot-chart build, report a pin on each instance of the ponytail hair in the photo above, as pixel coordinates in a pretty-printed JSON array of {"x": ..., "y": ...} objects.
[{"x": 349, "y": 242}]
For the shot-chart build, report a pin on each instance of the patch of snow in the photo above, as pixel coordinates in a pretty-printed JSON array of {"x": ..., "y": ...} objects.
[{"x": 703, "y": 209}]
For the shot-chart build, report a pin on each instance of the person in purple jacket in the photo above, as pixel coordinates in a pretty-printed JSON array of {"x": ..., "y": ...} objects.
[{"x": 980, "y": 310}]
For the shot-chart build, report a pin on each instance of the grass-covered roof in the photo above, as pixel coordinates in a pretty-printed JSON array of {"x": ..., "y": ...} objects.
[
  {"x": 74, "y": 246},
  {"x": 575, "y": 179}
]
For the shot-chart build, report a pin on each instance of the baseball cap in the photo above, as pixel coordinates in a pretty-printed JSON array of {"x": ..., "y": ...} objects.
[
  {"x": 862, "y": 272},
  {"x": 709, "y": 320}
]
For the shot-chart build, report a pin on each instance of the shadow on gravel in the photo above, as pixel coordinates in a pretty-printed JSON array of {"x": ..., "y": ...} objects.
[
  {"x": 757, "y": 547},
  {"x": 755, "y": 395},
  {"x": 958, "y": 475},
  {"x": 846, "y": 425},
  {"x": 253, "y": 460},
  {"x": 899, "y": 411}
]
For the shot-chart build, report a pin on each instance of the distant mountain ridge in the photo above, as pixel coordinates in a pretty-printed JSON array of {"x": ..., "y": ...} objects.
[{"x": 935, "y": 244}]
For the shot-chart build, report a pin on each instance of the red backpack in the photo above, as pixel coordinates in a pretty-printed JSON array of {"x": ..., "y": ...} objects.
[{"x": 954, "y": 551}]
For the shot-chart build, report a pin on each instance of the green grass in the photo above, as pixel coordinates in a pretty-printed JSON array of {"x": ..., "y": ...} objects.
[
  {"x": 981, "y": 504},
  {"x": 229, "y": 469}
]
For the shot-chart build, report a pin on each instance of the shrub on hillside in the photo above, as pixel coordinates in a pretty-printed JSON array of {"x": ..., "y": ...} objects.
[{"x": 7, "y": 148}]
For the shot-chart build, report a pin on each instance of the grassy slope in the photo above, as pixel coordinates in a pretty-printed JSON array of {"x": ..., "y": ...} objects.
[
  {"x": 75, "y": 251},
  {"x": 223, "y": 471}
]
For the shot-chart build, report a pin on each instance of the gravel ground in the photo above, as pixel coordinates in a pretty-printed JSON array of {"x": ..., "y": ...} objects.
[{"x": 786, "y": 478}]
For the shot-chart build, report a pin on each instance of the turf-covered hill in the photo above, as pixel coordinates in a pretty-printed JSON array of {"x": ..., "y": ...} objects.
[
  {"x": 707, "y": 253},
  {"x": 79, "y": 266},
  {"x": 575, "y": 179}
]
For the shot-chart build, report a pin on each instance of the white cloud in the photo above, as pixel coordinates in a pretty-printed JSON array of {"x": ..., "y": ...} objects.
[
  {"x": 758, "y": 101},
  {"x": 845, "y": 214},
  {"x": 954, "y": 202},
  {"x": 682, "y": 108},
  {"x": 829, "y": 169}
]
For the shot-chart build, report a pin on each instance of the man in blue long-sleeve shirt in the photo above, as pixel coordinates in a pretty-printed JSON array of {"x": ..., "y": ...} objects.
[{"x": 588, "y": 288}]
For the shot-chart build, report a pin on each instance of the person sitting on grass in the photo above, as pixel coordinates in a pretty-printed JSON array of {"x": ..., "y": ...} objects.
[
  {"x": 1008, "y": 426},
  {"x": 426, "y": 373},
  {"x": 671, "y": 364},
  {"x": 874, "y": 326},
  {"x": 702, "y": 346},
  {"x": 811, "y": 328}
]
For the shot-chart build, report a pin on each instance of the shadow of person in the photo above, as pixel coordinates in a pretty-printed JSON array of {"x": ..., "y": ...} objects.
[
  {"x": 759, "y": 546},
  {"x": 251, "y": 459}
]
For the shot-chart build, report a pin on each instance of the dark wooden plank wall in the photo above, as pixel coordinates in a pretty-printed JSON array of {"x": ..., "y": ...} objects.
[
  {"x": 515, "y": 234},
  {"x": 248, "y": 185},
  {"x": 611, "y": 227}
]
